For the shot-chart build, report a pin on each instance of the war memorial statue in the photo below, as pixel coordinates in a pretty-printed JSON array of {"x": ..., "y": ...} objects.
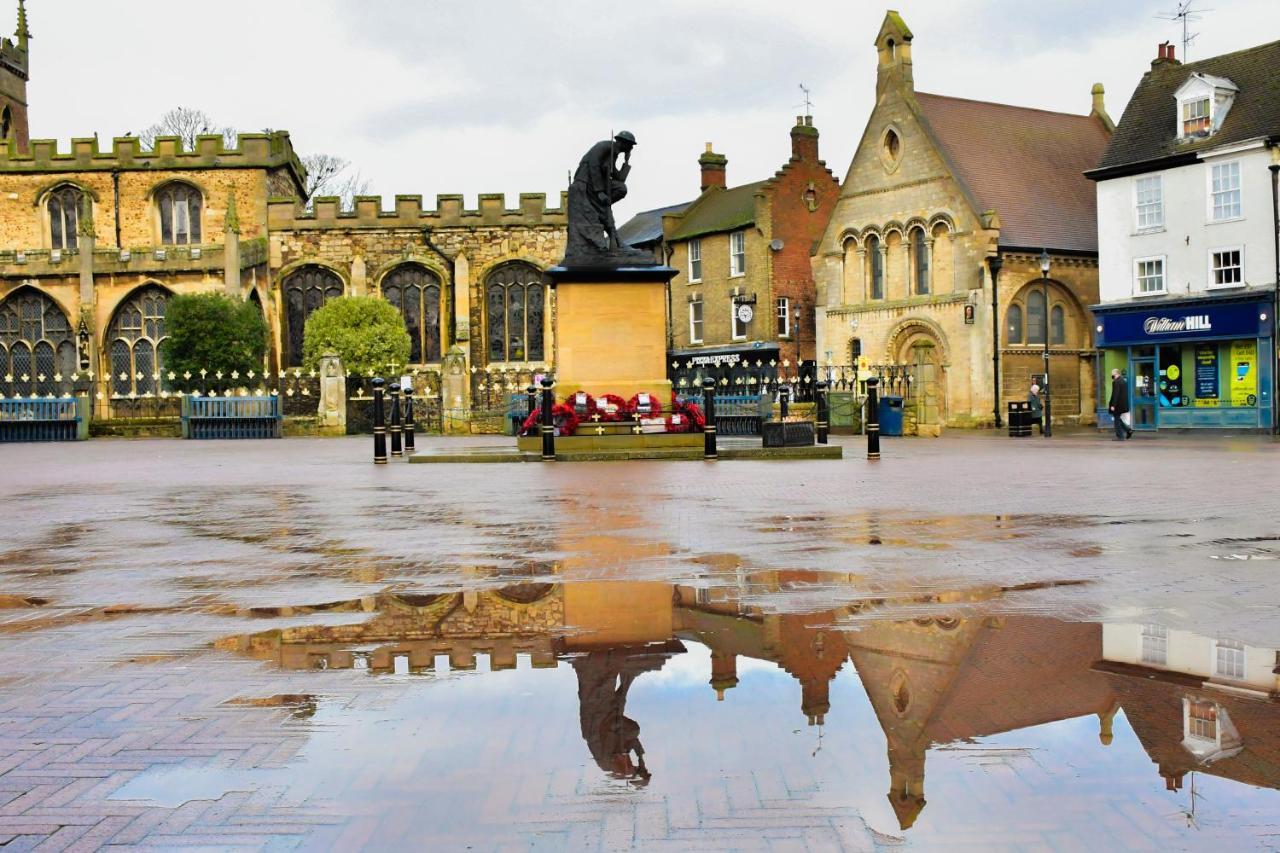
[{"x": 598, "y": 183}]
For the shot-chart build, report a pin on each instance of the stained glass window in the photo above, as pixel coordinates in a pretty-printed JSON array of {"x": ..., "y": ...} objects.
[
  {"x": 514, "y": 300},
  {"x": 179, "y": 214},
  {"x": 35, "y": 340},
  {"x": 64, "y": 211},
  {"x": 415, "y": 291},
  {"x": 305, "y": 290},
  {"x": 135, "y": 334}
]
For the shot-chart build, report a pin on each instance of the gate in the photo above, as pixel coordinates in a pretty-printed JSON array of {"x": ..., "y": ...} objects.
[{"x": 738, "y": 414}]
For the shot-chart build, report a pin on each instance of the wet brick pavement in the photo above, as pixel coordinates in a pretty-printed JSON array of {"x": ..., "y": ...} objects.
[{"x": 122, "y": 563}]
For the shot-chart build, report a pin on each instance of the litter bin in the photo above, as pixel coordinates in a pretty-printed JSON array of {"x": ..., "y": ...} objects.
[
  {"x": 891, "y": 415},
  {"x": 1019, "y": 420}
]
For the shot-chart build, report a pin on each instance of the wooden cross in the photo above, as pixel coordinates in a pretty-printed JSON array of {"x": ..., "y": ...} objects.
[
  {"x": 637, "y": 429},
  {"x": 596, "y": 417},
  {"x": 599, "y": 430}
]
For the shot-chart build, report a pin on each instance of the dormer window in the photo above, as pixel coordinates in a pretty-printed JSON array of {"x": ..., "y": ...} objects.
[
  {"x": 1195, "y": 117},
  {"x": 1203, "y": 102}
]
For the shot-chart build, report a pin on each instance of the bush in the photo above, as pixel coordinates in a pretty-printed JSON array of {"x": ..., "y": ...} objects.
[
  {"x": 212, "y": 332},
  {"x": 366, "y": 332}
]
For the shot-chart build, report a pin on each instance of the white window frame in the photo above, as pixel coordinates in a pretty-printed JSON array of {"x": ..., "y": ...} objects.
[
  {"x": 1158, "y": 205},
  {"x": 733, "y": 318},
  {"x": 737, "y": 254},
  {"x": 695, "y": 337},
  {"x": 1157, "y": 650},
  {"x": 1213, "y": 269},
  {"x": 1164, "y": 275},
  {"x": 1229, "y": 645},
  {"x": 783, "y": 310},
  {"x": 1239, "y": 191},
  {"x": 695, "y": 257},
  {"x": 1207, "y": 100}
]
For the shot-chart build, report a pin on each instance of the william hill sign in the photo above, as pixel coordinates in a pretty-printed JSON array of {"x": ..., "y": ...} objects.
[
  {"x": 1167, "y": 325},
  {"x": 1202, "y": 322}
]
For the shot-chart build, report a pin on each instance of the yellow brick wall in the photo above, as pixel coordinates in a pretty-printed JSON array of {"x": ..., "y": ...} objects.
[{"x": 716, "y": 288}]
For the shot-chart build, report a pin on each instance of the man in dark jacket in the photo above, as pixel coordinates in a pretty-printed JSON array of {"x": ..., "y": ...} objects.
[{"x": 1119, "y": 405}]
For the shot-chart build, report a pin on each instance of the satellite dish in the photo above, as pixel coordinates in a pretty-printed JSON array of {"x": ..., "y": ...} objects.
[{"x": 776, "y": 245}]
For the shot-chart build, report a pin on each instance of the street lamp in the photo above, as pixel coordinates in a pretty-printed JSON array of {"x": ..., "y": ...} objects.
[{"x": 1044, "y": 389}]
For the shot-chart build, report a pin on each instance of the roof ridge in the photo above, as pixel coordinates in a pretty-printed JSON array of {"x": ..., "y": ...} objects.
[
  {"x": 1192, "y": 65},
  {"x": 1006, "y": 106}
]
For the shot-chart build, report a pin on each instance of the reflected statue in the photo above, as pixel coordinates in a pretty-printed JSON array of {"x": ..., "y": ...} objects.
[
  {"x": 598, "y": 183},
  {"x": 604, "y": 677}
]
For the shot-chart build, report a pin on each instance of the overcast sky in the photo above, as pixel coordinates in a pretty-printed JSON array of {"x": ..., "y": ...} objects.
[{"x": 495, "y": 96}]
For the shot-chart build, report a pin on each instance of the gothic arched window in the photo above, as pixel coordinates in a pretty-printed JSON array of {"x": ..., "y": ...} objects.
[
  {"x": 415, "y": 291},
  {"x": 64, "y": 214},
  {"x": 1014, "y": 335},
  {"x": 134, "y": 338},
  {"x": 305, "y": 290},
  {"x": 514, "y": 296},
  {"x": 1035, "y": 317},
  {"x": 179, "y": 205},
  {"x": 6, "y": 122},
  {"x": 1057, "y": 325},
  {"x": 876, "y": 261},
  {"x": 35, "y": 341},
  {"x": 920, "y": 254}
]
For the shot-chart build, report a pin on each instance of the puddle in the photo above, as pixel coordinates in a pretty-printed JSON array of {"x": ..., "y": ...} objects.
[{"x": 552, "y": 710}]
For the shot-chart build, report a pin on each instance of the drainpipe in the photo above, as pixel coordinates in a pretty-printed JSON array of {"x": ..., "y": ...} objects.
[
  {"x": 453, "y": 303},
  {"x": 996, "y": 262},
  {"x": 115, "y": 195},
  {"x": 1275, "y": 302}
]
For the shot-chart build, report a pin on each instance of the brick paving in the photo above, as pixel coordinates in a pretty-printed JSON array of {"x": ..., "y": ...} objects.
[{"x": 124, "y": 564}]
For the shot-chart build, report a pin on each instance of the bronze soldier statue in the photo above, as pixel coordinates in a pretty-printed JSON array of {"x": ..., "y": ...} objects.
[{"x": 598, "y": 183}]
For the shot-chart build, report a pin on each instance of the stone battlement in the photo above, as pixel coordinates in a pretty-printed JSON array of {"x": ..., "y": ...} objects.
[
  {"x": 252, "y": 150},
  {"x": 284, "y": 214}
]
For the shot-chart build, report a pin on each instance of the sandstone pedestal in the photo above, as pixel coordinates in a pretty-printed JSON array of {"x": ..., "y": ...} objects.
[
  {"x": 333, "y": 395},
  {"x": 611, "y": 330}
]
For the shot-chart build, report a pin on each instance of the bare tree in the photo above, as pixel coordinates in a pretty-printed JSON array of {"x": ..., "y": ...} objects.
[
  {"x": 186, "y": 124},
  {"x": 328, "y": 175}
]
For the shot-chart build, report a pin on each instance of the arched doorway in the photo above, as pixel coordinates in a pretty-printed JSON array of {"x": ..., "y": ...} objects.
[
  {"x": 1031, "y": 319},
  {"x": 36, "y": 345},
  {"x": 918, "y": 347}
]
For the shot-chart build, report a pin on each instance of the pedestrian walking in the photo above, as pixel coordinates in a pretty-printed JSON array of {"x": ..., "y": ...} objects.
[
  {"x": 1037, "y": 407},
  {"x": 1118, "y": 405}
]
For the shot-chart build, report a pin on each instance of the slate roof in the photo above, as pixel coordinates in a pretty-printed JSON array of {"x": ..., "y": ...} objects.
[
  {"x": 645, "y": 228},
  {"x": 1025, "y": 164},
  {"x": 719, "y": 210},
  {"x": 1148, "y": 129}
]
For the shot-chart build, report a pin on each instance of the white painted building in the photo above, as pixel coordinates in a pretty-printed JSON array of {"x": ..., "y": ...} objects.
[{"x": 1187, "y": 225}]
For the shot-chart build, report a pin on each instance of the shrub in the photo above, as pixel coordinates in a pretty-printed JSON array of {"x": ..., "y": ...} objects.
[
  {"x": 366, "y": 332},
  {"x": 212, "y": 332}
]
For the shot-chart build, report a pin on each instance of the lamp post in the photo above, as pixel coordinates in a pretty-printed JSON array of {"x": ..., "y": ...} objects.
[
  {"x": 995, "y": 262},
  {"x": 1044, "y": 389},
  {"x": 1275, "y": 307}
]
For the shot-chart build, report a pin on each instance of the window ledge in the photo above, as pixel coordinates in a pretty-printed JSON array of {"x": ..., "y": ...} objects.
[
  {"x": 742, "y": 274},
  {"x": 1139, "y": 295},
  {"x": 694, "y": 281},
  {"x": 1234, "y": 286},
  {"x": 1154, "y": 229},
  {"x": 1225, "y": 221}
]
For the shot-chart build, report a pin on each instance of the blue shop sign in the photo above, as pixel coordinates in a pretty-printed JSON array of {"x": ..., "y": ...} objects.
[{"x": 1186, "y": 322}]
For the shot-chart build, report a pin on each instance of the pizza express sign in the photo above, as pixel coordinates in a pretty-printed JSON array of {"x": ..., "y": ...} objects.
[{"x": 1234, "y": 320}]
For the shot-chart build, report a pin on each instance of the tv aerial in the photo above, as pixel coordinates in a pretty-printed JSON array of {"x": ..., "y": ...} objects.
[{"x": 1186, "y": 13}]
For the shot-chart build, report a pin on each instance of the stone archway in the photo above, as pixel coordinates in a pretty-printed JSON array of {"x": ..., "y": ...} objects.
[{"x": 918, "y": 344}]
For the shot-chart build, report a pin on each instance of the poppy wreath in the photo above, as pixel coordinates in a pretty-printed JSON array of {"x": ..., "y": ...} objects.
[
  {"x": 611, "y": 407},
  {"x": 691, "y": 411},
  {"x": 591, "y": 404},
  {"x": 655, "y": 408},
  {"x": 562, "y": 417}
]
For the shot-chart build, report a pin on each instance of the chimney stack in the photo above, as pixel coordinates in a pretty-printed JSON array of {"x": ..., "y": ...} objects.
[
  {"x": 1166, "y": 53},
  {"x": 713, "y": 166},
  {"x": 804, "y": 140}
]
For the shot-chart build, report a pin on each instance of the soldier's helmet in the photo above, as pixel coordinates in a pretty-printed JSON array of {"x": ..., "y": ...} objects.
[{"x": 626, "y": 136}]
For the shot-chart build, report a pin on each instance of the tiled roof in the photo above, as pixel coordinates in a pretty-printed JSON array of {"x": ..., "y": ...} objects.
[
  {"x": 1025, "y": 164},
  {"x": 1148, "y": 128},
  {"x": 719, "y": 210},
  {"x": 646, "y": 226}
]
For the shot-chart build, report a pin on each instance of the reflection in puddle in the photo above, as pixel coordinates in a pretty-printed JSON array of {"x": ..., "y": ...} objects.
[{"x": 697, "y": 712}]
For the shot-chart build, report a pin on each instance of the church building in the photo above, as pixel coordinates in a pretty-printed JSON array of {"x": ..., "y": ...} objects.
[{"x": 931, "y": 260}]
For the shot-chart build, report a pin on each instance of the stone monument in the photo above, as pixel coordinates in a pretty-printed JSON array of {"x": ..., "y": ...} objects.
[
  {"x": 611, "y": 300},
  {"x": 333, "y": 395}
]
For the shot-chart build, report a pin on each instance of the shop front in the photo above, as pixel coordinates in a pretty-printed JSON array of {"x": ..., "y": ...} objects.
[
  {"x": 1196, "y": 363},
  {"x": 736, "y": 369}
]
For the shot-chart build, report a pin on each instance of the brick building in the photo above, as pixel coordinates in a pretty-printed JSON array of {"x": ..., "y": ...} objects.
[
  {"x": 937, "y": 188},
  {"x": 744, "y": 285},
  {"x": 95, "y": 238}
]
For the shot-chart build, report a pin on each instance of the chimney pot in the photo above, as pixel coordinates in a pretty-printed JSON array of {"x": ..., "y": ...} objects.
[
  {"x": 808, "y": 121},
  {"x": 1171, "y": 54}
]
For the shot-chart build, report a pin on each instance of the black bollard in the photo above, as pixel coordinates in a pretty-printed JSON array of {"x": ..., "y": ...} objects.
[
  {"x": 709, "y": 409},
  {"x": 824, "y": 413},
  {"x": 532, "y": 392},
  {"x": 548, "y": 423},
  {"x": 397, "y": 449},
  {"x": 409, "y": 449},
  {"x": 873, "y": 420},
  {"x": 784, "y": 401},
  {"x": 379, "y": 426}
]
